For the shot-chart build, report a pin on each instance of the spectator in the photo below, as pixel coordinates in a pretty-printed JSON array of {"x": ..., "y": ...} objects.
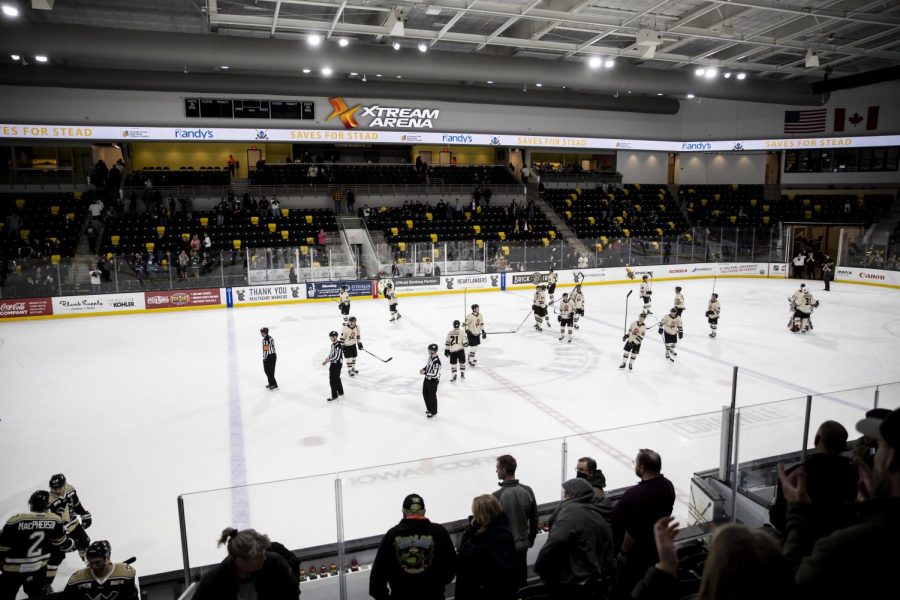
[
  {"x": 830, "y": 481},
  {"x": 367, "y": 212},
  {"x": 351, "y": 201},
  {"x": 92, "y": 237},
  {"x": 207, "y": 243},
  {"x": 798, "y": 263},
  {"x": 487, "y": 566},
  {"x": 743, "y": 564},
  {"x": 13, "y": 225},
  {"x": 249, "y": 571},
  {"x": 587, "y": 469},
  {"x": 636, "y": 513},
  {"x": 577, "y": 561},
  {"x": 403, "y": 571},
  {"x": 231, "y": 163},
  {"x": 96, "y": 210},
  {"x": 336, "y": 198},
  {"x": 275, "y": 207},
  {"x": 195, "y": 243},
  {"x": 95, "y": 279},
  {"x": 487, "y": 194},
  {"x": 520, "y": 506},
  {"x": 810, "y": 265},
  {"x": 857, "y": 561},
  {"x": 321, "y": 238},
  {"x": 866, "y": 446}
]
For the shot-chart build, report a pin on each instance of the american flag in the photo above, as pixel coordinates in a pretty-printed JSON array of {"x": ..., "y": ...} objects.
[{"x": 805, "y": 121}]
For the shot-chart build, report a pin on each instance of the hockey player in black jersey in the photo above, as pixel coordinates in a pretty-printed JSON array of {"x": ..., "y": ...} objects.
[
  {"x": 102, "y": 578},
  {"x": 65, "y": 503}
]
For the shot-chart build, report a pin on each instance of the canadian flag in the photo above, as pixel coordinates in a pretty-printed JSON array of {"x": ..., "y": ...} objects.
[{"x": 856, "y": 119}]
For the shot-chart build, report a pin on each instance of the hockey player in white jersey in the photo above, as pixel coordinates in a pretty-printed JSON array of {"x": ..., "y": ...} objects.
[
  {"x": 646, "y": 292},
  {"x": 679, "y": 300},
  {"x": 578, "y": 297},
  {"x": 390, "y": 295},
  {"x": 474, "y": 332},
  {"x": 344, "y": 303},
  {"x": 670, "y": 327},
  {"x": 350, "y": 339},
  {"x": 552, "y": 278},
  {"x": 712, "y": 314},
  {"x": 454, "y": 349},
  {"x": 803, "y": 304},
  {"x": 539, "y": 306},
  {"x": 633, "y": 339},
  {"x": 566, "y": 316}
]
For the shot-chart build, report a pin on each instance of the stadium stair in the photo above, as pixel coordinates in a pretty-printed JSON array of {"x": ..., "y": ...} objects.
[{"x": 558, "y": 224}]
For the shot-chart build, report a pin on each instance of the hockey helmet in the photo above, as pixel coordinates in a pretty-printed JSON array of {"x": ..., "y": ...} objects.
[
  {"x": 642, "y": 316},
  {"x": 677, "y": 288},
  {"x": 644, "y": 277},
  {"x": 456, "y": 324},
  {"x": 388, "y": 285},
  {"x": 566, "y": 296},
  {"x": 333, "y": 333},
  {"x": 99, "y": 549},
  {"x": 432, "y": 347},
  {"x": 57, "y": 480},
  {"x": 264, "y": 330},
  {"x": 715, "y": 295},
  {"x": 343, "y": 288},
  {"x": 352, "y": 319},
  {"x": 474, "y": 307},
  {"x": 39, "y": 501}
]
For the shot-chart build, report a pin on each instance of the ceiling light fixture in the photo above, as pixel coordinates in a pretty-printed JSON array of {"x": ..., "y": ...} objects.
[
  {"x": 711, "y": 72},
  {"x": 353, "y": 74},
  {"x": 343, "y": 42},
  {"x": 610, "y": 63},
  {"x": 423, "y": 47},
  {"x": 307, "y": 71},
  {"x": 742, "y": 76},
  {"x": 15, "y": 56},
  {"x": 41, "y": 58},
  {"x": 691, "y": 96},
  {"x": 396, "y": 45},
  {"x": 727, "y": 75},
  {"x": 326, "y": 71},
  {"x": 539, "y": 85},
  {"x": 699, "y": 71},
  {"x": 10, "y": 11},
  {"x": 314, "y": 39},
  {"x": 399, "y": 76},
  {"x": 489, "y": 82},
  {"x": 224, "y": 67},
  {"x": 659, "y": 93},
  {"x": 378, "y": 75},
  {"x": 595, "y": 62}
]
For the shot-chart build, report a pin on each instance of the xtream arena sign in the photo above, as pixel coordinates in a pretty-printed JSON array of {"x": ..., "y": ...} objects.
[{"x": 385, "y": 117}]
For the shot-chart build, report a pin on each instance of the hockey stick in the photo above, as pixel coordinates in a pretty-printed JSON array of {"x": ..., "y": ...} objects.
[
  {"x": 130, "y": 561},
  {"x": 384, "y": 360},
  {"x": 516, "y": 330},
  {"x": 625, "y": 326},
  {"x": 715, "y": 279}
]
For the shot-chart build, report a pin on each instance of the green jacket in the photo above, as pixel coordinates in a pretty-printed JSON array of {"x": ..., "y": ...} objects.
[{"x": 854, "y": 562}]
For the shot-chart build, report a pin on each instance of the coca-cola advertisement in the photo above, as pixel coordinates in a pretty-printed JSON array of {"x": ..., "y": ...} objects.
[
  {"x": 25, "y": 307},
  {"x": 182, "y": 298}
]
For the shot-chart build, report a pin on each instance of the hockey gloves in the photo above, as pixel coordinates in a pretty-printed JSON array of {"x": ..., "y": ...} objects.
[
  {"x": 86, "y": 520},
  {"x": 447, "y": 352},
  {"x": 68, "y": 545},
  {"x": 359, "y": 345},
  {"x": 660, "y": 331},
  {"x": 484, "y": 333},
  {"x": 680, "y": 335},
  {"x": 624, "y": 337}
]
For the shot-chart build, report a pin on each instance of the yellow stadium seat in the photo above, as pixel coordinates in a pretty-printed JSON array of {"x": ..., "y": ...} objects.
[
  {"x": 604, "y": 240},
  {"x": 546, "y": 241},
  {"x": 478, "y": 209},
  {"x": 765, "y": 220},
  {"x": 310, "y": 241},
  {"x": 734, "y": 186},
  {"x": 436, "y": 253},
  {"x": 791, "y": 195},
  {"x": 806, "y": 202},
  {"x": 568, "y": 214},
  {"x": 401, "y": 246},
  {"x": 304, "y": 250},
  {"x": 271, "y": 227},
  {"x": 752, "y": 201},
  {"x": 599, "y": 247},
  {"x": 688, "y": 237},
  {"x": 611, "y": 196},
  {"x": 620, "y": 220},
  {"x": 477, "y": 229},
  {"x": 654, "y": 245},
  {"x": 150, "y": 246},
  {"x": 592, "y": 220},
  {"x": 114, "y": 239},
  {"x": 505, "y": 250},
  {"x": 77, "y": 195},
  {"x": 765, "y": 208},
  {"x": 578, "y": 192},
  {"x": 468, "y": 215},
  {"x": 732, "y": 219},
  {"x": 70, "y": 216},
  {"x": 626, "y": 232},
  {"x": 109, "y": 255},
  {"x": 164, "y": 263},
  {"x": 662, "y": 208},
  {"x": 717, "y": 197},
  {"x": 285, "y": 234},
  {"x": 284, "y": 212},
  {"x": 394, "y": 231},
  {"x": 552, "y": 234},
  {"x": 161, "y": 230},
  {"x": 570, "y": 198},
  {"x": 54, "y": 210},
  {"x": 24, "y": 233},
  {"x": 309, "y": 219},
  {"x": 409, "y": 224},
  {"x": 818, "y": 207},
  {"x": 54, "y": 259},
  {"x": 434, "y": 237},
  {"x": 637, "y": 186},
  {"x": 501, "y": 235},
  {"x": 568, "y": 203},
  {"x": 186, "y": 237},
  {"x": 479, "y": 243},
  {"x": 254, "y": 220},
  {"x": 429, "y": 216},
  {"x": 703, "y": 201},
  {"x": 659, "y": 231},
  {"x": 807, "y": 214},
  {"x": 204, "y": 221},
  {"x": 20, "y": 202},
  {"x": 625, "y": 191},
  {"x": 637, "y": 208},
  {"x": 671, "y": 225},
  {"x": 316, "y": 264}
]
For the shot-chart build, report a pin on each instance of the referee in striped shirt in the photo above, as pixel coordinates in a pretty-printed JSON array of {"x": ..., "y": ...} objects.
[
  {"x": 432, "y": 373},
  {"x": 269, "y": 358},
  {"x": 335, "y": 358}
]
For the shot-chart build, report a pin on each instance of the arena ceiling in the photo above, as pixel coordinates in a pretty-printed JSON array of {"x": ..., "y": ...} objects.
[{"x": 653, "y": 47}]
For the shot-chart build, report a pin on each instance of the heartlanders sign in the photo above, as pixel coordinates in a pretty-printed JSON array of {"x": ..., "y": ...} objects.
[{"x": 384, "y": 117}]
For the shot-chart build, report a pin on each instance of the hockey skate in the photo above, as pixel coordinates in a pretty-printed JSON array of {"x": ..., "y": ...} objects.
[
  {"x": 537, "y": 327},
  {"x": 453, "y": 379},
  {"x": 712, "y": 334},
  {"x": 399, "y": 316},
  {"x": 471, "y": 363},
  {"x": 570, "y": 340},
  {"x": 428, "y": 415},
  {"x": 669, "y": 357},
  {"x": 462, "y": 376},
  {"x": 622, "y": 366},
  {"x": 561, "y": 338},
  {"x": 330, "y": 399},
  {"x": 576, "y": 326}
]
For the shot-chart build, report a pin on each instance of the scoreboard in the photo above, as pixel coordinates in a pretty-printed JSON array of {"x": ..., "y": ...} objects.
[{"x": 228, "y": 108}]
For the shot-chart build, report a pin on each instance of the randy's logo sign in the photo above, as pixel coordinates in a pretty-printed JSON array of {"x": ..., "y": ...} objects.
[{"x": 384, "y": 117}]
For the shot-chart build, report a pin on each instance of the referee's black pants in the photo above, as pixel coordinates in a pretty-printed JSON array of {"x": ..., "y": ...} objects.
[
  {"x": 429, "y": 392},
  {"x": 334, "y": 378},
  {"x": 269, "y": 368}
]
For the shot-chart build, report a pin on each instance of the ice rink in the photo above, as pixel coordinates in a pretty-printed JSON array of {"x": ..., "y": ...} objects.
[{"x": 138, "y": 409}]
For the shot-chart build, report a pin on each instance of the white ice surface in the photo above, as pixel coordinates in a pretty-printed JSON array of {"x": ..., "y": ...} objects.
[{"x": 138, "y": 409}]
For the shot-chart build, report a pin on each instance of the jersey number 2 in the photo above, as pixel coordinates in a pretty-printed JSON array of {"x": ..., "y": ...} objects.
[{"x": 35, "y": 549}]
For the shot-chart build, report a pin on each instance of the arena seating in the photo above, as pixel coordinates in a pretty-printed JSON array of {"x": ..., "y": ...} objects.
[
  {"x": 633, "y": 210},
  {"x": 185, "y": 176},
  {"x": 51, "y": 222},
  {"x": 141, "y": 233},
  {"x": 332, "y": 173},
  {"x": 475, "y": 175}
]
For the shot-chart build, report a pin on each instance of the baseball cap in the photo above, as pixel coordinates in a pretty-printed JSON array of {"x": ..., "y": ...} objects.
[
  {"x": 414, "y": 503},
  {"x": 887, "y": 429}
]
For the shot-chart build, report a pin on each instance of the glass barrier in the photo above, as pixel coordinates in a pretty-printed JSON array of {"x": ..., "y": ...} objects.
[{"x": 889, "y": 396}]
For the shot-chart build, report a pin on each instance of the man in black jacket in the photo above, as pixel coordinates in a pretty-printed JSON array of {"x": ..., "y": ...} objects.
[{"x": 415, "y": 559}]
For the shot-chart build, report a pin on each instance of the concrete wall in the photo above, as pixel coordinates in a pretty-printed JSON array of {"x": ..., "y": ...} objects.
[
  {"x": 642, "y": 167},
  {"x": 722, "y": 168}
]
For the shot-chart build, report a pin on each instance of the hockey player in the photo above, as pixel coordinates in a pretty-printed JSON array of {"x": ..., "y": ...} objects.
[
  {"x": 803, "y": 304},
  {"x": 552, "y": 278},
  {"x": 432, "y": 373},
  {"x": 712, "y": 314},
  {"x": 65, "y": 503},
  {"x": 26, "y": 542},
  {"x": 539, "y": 306},
  {"x": 454, "y": 349},
  {"x": 344, "y": 302},
  {"x": 670, "y": 327},
  {"x": 645, "y": 295},
  {"x": 679, "y": 300},
  {"x": 391, "y": 295},
  {"x": 578, "y": 297},
  {"x": 102, "y": 578},
  {"x": 351, "y": 340},
  {"x": 633, "y": 339},
  {"x": 566, "y": 316},
  {"x": 474, "y": 332}
]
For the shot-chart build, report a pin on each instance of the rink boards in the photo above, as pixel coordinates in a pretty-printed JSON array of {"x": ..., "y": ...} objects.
[{"x": 327, "y": 291}]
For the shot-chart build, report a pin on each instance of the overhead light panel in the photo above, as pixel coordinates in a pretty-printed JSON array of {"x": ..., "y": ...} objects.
[
  {"x": 610, "y": 63},
  {"x": 327, "y": 71},
  {"x": 11, "y": 10},
  {"x": 396, "y": 45},
  {"x": 353, "y": 74},
  {"x": 15, "y": 56},
  {"x": 343, "y": 42},
  {"x": 307, "y": 71},
  {"x": 224, "y": 67},
  {"x": 711, "y": 72},
  {"x": 699, "y": 71},
  {"x": 314, "y": 39},
  {"x": 539, "y": 85},
  {"x": 742, "y": 76},
  {"x": 489, "y": 82},
  {"x": 691, "y": 96},
  {"x": 727, "y": 75},
  {"x": 41, "y": 58},
  {"x": 595, "y": 62},
  {"x": 812, "y": 59},
  {"x": 433, "y": 11},
  {"x": 423, "y": 47}
]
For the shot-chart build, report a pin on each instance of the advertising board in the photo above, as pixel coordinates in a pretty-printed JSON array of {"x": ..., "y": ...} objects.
[
  {"x": 98, "y": 303},
  {"x": 265, "y": 293},
  {"x": 468, "y": 282},
  {"x": 25, "y": 307},
  {"x": 331, "y": 289},
  {"x": 412, "y": 285},
  {"x": 183, "y": 298},
  {"x": 868, "y": 276}
]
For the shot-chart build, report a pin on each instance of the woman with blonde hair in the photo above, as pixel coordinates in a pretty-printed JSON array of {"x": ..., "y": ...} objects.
[
  {"x": 486, "y": 555},
  {"x": 250, "y": 571}
]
